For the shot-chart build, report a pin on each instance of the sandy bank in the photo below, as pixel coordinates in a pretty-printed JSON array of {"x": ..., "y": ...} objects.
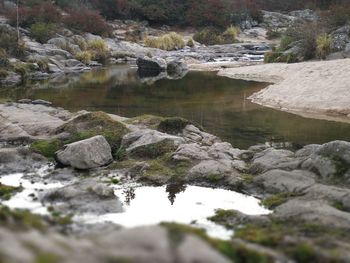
[{"x": 312, "y": 89}]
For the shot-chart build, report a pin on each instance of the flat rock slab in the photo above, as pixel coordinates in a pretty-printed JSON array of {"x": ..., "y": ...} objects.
[
  {"x": 28, "y": 120},
  {"x": 86, "y": 154}
]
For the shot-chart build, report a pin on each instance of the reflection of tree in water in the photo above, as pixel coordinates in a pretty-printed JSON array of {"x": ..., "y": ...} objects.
[
  {"x": 173, "y": 190},
  {"x": 129, "y": 195}
]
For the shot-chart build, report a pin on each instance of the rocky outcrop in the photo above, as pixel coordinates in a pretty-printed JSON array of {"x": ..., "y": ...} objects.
[
  {"x": 154, "y": 64},
  {"x": 86, "y": 154}
]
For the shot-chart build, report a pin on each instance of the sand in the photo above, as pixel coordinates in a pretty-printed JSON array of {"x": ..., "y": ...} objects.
[{"x": 319, "y": 89}]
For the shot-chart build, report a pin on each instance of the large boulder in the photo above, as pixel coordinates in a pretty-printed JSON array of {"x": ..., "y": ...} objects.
[
  {"x": 340, "y": 38},
  {"x": 86, "y": 154},
  {"x": 154, "y": 64},
  {"x": 176, "y": 69}
]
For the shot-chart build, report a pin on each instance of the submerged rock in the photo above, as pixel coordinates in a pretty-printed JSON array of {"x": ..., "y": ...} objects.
[{"x": 86, "y": 154}]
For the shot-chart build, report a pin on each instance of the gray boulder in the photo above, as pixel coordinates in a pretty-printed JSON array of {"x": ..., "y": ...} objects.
[
  {"x": 86, "y": 154},
  {"x": 340, "y": 38},
  {"x": 151, "y": 64},
  {"x": 176, "y": 69}
]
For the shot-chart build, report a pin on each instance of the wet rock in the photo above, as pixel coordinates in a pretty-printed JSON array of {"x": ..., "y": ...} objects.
[
  {"x": 84, "y": 196},
  {"x": 154, "y": 64},
  {"x": 21, "y": 159},
  {"x": 150, "y": 143},
  {"x": 193, "y": 134},
  {"x": 273, "y": 159},
  {"x": 176, "y": 69},
  {"x": 279, "y": 181},
  {"x": 86, "y": 154},
  {"x": 41, "y": 102}
]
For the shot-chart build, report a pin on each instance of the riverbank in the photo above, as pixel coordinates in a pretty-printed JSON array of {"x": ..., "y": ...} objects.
[
  {"x": 46, "y": 166},
  {"x": 311, "y": 89}
]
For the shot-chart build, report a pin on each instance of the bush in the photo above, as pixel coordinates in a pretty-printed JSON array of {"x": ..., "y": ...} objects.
[
  {"x": 323, "y": 46},
  {"x": 285, "y": 42},
  {"x": 98, "y": 50},
  {"x": 337, "y": 16},
  {"x": 190, "y": 42},
  {"x": 88, "y": 21},
  {"x": 84, "y": 57},
  {"x": 44, "y": 13},
  {"x": 42, "y": 32},
  {"x": 231, "y": 34},
  {"x": 170, "y": 41},
  {"x": 9, "y": 43},
  {"x": 3, "y": 74},
  {"x": 213, "y": 36}
]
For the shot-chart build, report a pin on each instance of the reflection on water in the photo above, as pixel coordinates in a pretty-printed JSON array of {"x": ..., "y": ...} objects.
[
  {"x": 188, "y": 205},
  {"x": 219, "y": 104}
]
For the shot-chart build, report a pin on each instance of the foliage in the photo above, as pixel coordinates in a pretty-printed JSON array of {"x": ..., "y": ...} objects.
[
  {"x": 190, "y": 42},
  {"x": 47, "y": 148},
  {"x": 278, "y": 199},
  {"x": 7, "y": 191},
  {"x": 214, "y": 36},
  {"x": 87, "y": 21},
  {"x": 9, "y": 43},
  {"x": 323, "y": 46},
  {"x": 98, "y": 49},
  {"x": 84, "y": 57},
  {"x": 172, "y": 41},
  {"x": 231, "y": 33},
  {"x": 42, "y": 32}
]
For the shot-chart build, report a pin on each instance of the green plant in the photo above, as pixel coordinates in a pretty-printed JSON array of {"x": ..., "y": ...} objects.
[
  {"x": 190, "y": 42},
  {"x": 84, "y": 57},
  {"x": 42, "y": 32},
  {"x": 323, "y": 46},
  {"x": 47, "y": 148},
  {"x": 3, "y": 74},
  {"x": 275, "y": 200},
  {"x": 98, "y": 49},
  {"x": 230, "y": 35},
  {"x": 7, "y": 191},
  {"x": 171, "y": 41},
  {"x": 208, "y": 36}
]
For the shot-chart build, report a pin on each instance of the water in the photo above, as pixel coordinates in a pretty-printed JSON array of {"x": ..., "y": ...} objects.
[
  {"x": 217, "y": 103},
  {"x": 147, "y": 205}
]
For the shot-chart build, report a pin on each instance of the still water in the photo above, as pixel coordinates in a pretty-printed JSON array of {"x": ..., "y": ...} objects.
[{"x": 219, "y": 104}]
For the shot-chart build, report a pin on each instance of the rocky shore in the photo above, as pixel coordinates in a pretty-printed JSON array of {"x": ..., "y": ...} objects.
[{"x": 79, "y": 156}]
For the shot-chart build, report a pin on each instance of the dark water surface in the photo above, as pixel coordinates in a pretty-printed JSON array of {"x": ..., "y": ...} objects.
[{"x": 217, "y": 103}]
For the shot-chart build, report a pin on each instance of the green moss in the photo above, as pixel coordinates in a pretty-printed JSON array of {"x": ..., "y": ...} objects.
[
  {"x": 273, "y": 201},
  {"x": 47, "y": 148},
  {"x": 270, "y": 235},
  {"x": 236, "y": 253},
  {"x": 7, "y": 191},
  {"x": 150, "y": 121},
  {"x": 20, "y": 219},
  {"x": 154, "y": 150},
  {"x": 3, "y": 74},
  {"x": 46, "y": 257},
  {"x": 303, "y": 253},
  {"x": 222, "y": 216},
  {"x": 173, "y": 125},
  {"x": 95, "y": 123},
  {"x": 341, "y": 166},
  {"x": 247, "y": 178},
  {"x": 122, "y": 164}
]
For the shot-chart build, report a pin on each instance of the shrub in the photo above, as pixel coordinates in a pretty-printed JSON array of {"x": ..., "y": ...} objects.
[
  {"x": 88, "y": 21},
  {"x": 231, "y": 34},
  {"x": 84, "y": 56},
  {"x": 323, "y": 46},
  {"x": 286, "y": 40},
  {"x": 42, "y": 32},
  {"x": 44, "y": 12},
  {"x": 273, "y": 34},
  {"x": 170, "y": 41},
  {"x": 10, "y": 43},
  {"x": 337, "y": 16},
  {"x": 98, "y": 50},
  {"x": 3, "y": 74},
  {"x": 208, "y": 36},
  {"x": 190, "y": 42}
]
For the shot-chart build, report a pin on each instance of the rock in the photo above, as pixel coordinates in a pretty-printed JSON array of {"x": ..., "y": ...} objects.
[
  {"x": 84, "y": 196},
  {"x": 307, "y": 15},
  {"x": 86, "y": 154},
  {"x": 177, "y": 69},
  {"x": 25, "y": 101},
  {"x": 54, "y": 69},
  {"x": 18, "y": 160},
  {"x": 193, "y": 134},
  {"x": 224, "y": 150},
  {"x": 41, "y": 102},
  {"x": 150, "y": 143},
  {"x": 279, "y": 181},
  {"x": 73, "y": 63},
  {"x": 340, "y": 38},
  {"x": 273, "y": 159},
  {"x": 154, "y": 64},
  {"x": 310, "y": 212},
  {"x": 277, "y": 20},
  {"x": 191, "y": 151}
]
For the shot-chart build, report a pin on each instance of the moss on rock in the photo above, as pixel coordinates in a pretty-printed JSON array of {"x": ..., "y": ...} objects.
[
  {"x": 7, "y": 191},
  {"x": 46, "y": 148},
  {"x": 173, "y": 125},
  {"x": 95, "y": 123},
  {"x": 273, "y": 201}
]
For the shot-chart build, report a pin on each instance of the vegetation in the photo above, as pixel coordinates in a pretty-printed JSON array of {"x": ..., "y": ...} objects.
[
  {"x": 190, "y": 42},
  {"x": 278, "y": 199},
  {"x": 98, "y": 50},
  {"x": 215, "y": 36},
  {"x": 172, "y": 41},
  {"x": 7, "y": 191},
  {"x": 42, "y": 32},
  {"x": 84, "y": 57},
  {"x": 323, "y": 46},
  {"x": 47, "y": 148}
]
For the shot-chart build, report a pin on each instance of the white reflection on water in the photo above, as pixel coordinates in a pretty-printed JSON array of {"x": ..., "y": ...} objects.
[{"x": 152, "y": 205}]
